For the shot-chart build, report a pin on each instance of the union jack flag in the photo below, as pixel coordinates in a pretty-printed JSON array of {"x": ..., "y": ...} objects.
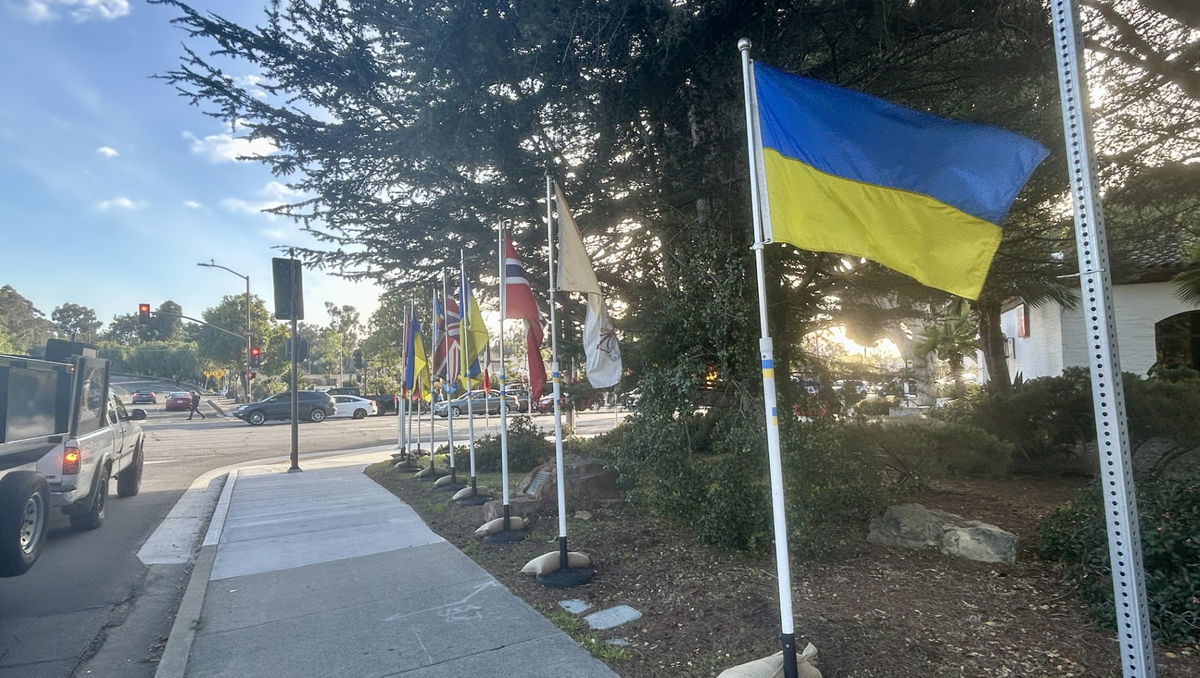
[{"x": 447, "y": 358}]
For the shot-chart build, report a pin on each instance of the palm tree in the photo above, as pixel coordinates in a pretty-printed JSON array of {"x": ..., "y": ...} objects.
[
  {"x": 1187, "y": 283},
  {"x": 950, "y": 339}
]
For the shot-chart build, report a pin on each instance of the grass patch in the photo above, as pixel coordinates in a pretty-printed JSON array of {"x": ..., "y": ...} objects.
[{"x": 594, "y": 644}]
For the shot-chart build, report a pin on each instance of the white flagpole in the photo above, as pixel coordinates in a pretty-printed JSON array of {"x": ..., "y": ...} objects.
[
  {"x": 556, "y": 379},
  {"x": 1108, "y": 391},
  {"x": 446, "y": 375},
  {"x": 767, "y": 351},
  {"x": 503, "y": 378},
  {"x": 464, "y": 349},
  {"x": 429, "y": 353},
  {"x": 401, "y": 439},
  {"x": 408, "y": 404}
]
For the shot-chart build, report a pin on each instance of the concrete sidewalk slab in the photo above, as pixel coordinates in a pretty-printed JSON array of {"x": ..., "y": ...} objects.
[{"x": 326, "y": 573}]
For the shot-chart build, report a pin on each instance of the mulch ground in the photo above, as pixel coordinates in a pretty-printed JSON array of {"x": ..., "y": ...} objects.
[{"x": 875, "y": 612}]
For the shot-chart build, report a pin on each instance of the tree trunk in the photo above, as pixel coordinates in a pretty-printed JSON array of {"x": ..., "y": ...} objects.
[{"x": 991, "y": 341}]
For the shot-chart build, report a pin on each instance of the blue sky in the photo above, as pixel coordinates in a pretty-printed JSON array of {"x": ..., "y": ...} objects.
[{"x": 112, "y": 187}]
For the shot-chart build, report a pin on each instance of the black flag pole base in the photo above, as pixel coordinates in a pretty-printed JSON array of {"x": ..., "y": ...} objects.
[
  {"x": 505, "y": 537},
  {"x": 566, "y": 578},
  {"x": 789, "y": 654}
]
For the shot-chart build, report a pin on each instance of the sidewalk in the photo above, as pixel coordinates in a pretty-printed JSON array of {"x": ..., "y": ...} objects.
[{"x": 324, "y": 573}]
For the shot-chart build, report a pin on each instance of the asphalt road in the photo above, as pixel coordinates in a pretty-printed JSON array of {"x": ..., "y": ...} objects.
[{"x": 91, "y": 607}]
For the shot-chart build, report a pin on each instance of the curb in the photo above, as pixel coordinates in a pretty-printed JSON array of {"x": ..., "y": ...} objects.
[{"x": 188, "y": 618}]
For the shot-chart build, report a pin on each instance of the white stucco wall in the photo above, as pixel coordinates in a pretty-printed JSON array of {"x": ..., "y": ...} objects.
[{"x": 1057, "y": 337}]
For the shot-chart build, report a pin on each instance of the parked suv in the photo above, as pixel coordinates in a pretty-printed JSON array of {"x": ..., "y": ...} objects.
[{"x": 313, "y": 406}]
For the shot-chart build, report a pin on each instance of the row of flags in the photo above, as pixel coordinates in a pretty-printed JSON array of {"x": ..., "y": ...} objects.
[{"x": 459, "y": 342}]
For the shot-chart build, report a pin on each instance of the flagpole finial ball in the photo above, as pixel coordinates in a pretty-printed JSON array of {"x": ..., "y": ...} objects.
[{"x": 744, "y": 44}]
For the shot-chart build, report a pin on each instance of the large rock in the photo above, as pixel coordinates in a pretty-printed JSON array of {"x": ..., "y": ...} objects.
[
  {"x": 519, "y": 505},
  {"x": 916, "y": 527},
  {"x": 590, "y": 484}
]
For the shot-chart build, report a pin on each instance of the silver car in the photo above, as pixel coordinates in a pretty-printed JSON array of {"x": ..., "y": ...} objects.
[{"x": 480, "y": 403}]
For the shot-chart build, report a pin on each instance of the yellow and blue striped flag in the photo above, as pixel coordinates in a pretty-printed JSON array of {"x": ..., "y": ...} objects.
[{"x": 849, "y": 173}]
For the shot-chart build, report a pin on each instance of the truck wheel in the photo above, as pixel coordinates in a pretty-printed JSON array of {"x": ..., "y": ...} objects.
[
  {"x": 129, "y": 481},
  {"x": 360, "y": 413},
  {"x": 256, "y": 418},
  {"x": 24, "y": 514},
  {"x": 316, "y": 416},
  {"x": 93, "y": 517}
]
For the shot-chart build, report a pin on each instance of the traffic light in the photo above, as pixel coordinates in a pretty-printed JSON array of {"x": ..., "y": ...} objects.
[
  {"x": 358, "y": 359},
  {"x": 143, "y": 313},
  {"x": 255, "y": 356},
  {"x": 249, "y": 375}
]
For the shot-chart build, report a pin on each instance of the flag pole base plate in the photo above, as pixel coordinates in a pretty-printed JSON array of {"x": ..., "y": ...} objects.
[{"x": 565, "y": 578}]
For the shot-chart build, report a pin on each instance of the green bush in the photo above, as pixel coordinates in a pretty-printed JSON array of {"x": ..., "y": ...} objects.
[
  {"x": 876, "y": 406},
  {"x": 1050, "y": 421},
  {"x": 1045, "y": 419},
  {"x": 917, "y": 449},
  {"x": 832, "y": 485},
  {"x": 527, "y": 449},
  {"x": 1169, "y": 513}
]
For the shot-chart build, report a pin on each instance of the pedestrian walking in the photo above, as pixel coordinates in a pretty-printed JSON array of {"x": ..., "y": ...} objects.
[{"x": 196, "y": 407}]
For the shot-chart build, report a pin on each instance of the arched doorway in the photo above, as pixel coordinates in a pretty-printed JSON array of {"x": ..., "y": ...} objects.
[{"x": 1177, "y": 340}]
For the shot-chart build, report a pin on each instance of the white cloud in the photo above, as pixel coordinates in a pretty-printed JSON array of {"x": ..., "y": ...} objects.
[
  {"x": 275, "y": 233},
  {"x": 121, "y": 203},
  {"x": 220, "y": 148},
  {"x": 107, "y": 151},
  {"x": 39, "y": 11},
  {"x": 274, "y": 194},
  {"x": 250, "y": 83},
  {"x": 192, "y": 204}
]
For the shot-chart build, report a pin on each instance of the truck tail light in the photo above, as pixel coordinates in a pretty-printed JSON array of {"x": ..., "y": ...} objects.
[{"x": 72, "y": 456}]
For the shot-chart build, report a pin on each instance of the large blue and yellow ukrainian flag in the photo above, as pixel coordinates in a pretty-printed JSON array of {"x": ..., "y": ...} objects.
[{"x": 849, "y": 173}]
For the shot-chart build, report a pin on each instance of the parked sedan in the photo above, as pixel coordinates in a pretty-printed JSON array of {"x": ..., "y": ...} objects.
[
  {"x": 353, "y": 406},
  {"x": 480, "y": 403},
  {"x": 178, "y": 401},
  {"x": 144, "y": 397},
  {"x": 313, "y": 406}
]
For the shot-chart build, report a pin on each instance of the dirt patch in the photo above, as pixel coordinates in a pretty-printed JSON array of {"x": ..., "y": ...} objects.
[{"x": 878, "y": 612}]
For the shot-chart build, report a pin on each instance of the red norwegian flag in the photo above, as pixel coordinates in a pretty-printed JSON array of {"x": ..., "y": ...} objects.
[{"x": 520, "y": 304}]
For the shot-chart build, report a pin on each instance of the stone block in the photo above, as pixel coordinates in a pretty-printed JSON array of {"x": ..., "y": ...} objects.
[{"x": 916, "y": 527}]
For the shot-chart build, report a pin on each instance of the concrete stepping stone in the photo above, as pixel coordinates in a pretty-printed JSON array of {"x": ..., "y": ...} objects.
[
  {"x": 613, "y": 616},
  {"x": 575, "y": 605}
]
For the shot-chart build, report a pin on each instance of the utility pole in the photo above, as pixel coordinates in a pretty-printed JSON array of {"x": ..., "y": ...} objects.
[{"x": 249, "y": 343}]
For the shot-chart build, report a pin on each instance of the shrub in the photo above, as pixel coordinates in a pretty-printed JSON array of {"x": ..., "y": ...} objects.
[
  {"x": 832, "y": 486},
  {"x": 1169, "y": 512},
  {"x": 1050, "y": 421},
  {"x": 917, "y": 449},
  {"x": 876, "y": 406},
  {"x": 527, "y": 449}
]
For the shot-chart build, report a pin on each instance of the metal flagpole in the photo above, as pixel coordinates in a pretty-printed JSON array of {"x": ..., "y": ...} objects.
[
  {"x": 565, "y": 576},
  {"x": 506, "y": 533},
  {"x": 446, "y": 375},
  {"x": 767, "y": 351},
  {"x": 429, "y": 354},
  {"x": 408, "y": 402},
  {"x": 1108, "y": 392},
  {"x": 465, "y": 349},
  {"x": 401, "y": 440}
]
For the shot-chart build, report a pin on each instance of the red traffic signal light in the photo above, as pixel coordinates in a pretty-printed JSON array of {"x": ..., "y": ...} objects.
[
  {"x": 143, "y": 312},
  {"x": 255, "y": 355},
  {"x": 249, "y": 375}
]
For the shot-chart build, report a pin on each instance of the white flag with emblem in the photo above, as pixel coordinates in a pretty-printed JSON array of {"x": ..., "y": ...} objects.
[{"x": 600, "y": 345}]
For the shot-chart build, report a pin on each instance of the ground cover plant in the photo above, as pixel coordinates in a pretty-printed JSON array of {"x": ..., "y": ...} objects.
[{"x": 871, "y": 611}]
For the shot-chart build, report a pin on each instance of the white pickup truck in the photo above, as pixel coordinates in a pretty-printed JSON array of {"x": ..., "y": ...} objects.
[{"x": 63, "y": 436}]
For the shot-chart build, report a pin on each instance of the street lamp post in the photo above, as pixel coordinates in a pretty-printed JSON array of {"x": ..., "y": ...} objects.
[{"x": 245, "y": 372}]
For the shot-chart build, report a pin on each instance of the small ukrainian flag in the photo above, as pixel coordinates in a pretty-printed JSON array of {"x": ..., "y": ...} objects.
[{"x": 849, "y": 173}]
